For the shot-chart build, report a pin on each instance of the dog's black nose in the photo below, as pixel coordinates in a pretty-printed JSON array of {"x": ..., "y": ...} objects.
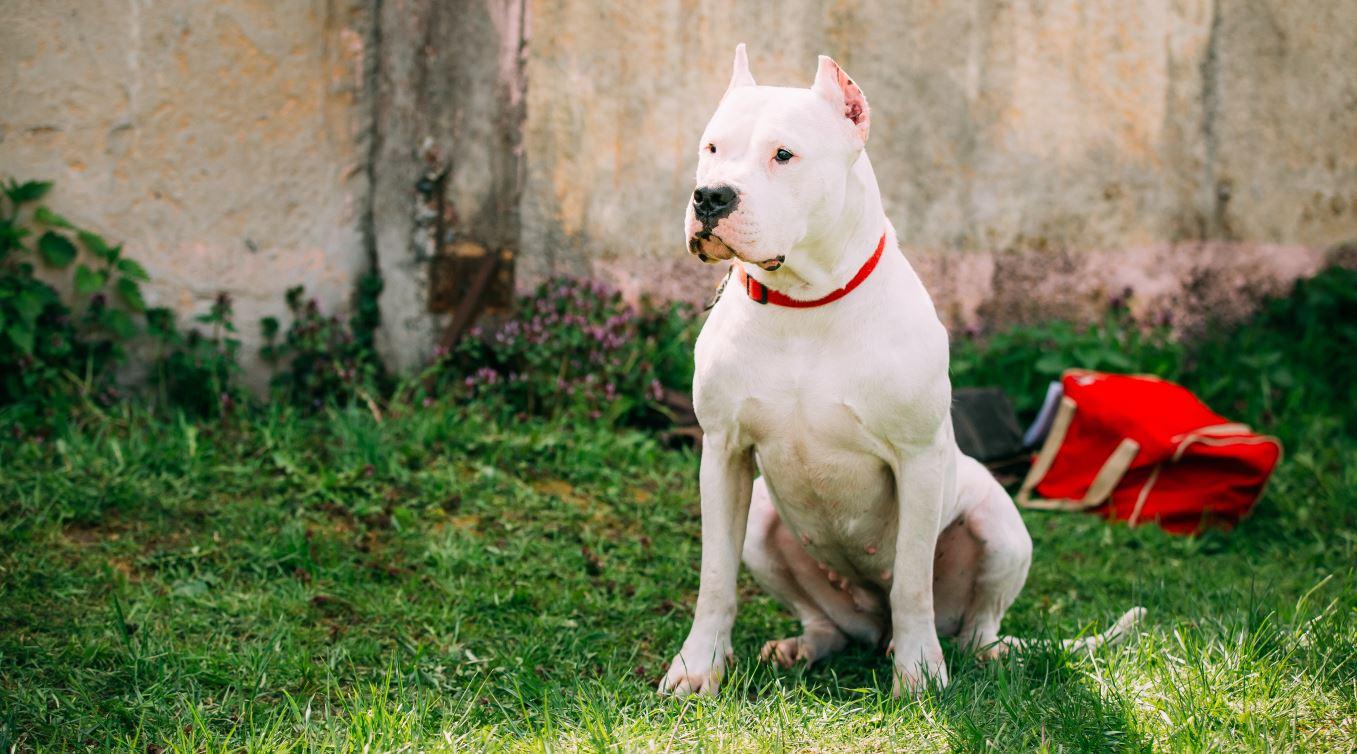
[{"x": 712, "y": 203}]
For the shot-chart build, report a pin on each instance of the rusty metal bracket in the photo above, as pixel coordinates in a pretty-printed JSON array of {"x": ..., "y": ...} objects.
[{"x": 474, "y": 297}]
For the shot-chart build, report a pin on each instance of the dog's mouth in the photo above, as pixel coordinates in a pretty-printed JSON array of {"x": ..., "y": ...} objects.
[{"x": 709, "y": 248}]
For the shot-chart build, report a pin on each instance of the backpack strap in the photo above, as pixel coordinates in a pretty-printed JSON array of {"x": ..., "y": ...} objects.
[
  {"x": 1064, "y": 416},
  {"x": 1106, "y": 480},
  {"x": 1099, "y": 490}
]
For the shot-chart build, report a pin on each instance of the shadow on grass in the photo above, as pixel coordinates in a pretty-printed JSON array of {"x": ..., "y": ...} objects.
[{"x": 1044, "y": 699}]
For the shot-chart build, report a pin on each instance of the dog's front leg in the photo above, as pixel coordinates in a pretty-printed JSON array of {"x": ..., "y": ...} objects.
[
  {"x": 924, "y": 479},
  {"x": 726, "y": 481}
]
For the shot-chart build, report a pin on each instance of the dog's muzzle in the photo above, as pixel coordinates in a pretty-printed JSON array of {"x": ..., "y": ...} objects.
[{"x": 709, "y": 248}]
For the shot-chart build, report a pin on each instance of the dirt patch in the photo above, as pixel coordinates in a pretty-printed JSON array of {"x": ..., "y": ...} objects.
[{"x": 90, "y": 534}]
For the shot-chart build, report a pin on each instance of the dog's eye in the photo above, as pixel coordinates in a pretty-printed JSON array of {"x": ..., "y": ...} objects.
[
  {"x": 711, "y": 148},
  {"x": 783, "y": 156}
]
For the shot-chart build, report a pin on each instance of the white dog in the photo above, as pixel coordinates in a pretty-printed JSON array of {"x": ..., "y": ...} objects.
[{"x": 824, "y": 365}]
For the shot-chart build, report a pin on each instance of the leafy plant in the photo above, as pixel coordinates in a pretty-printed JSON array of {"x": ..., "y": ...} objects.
[
  {"x": 1294, "y": 356},
  {"x": 576, "y": 347},
  {"x": 198, "y": 372},
  {"x": 54, "y": 354},
  {"x": 1023, "y": 360},
  {"x": 322, "y": 359}
]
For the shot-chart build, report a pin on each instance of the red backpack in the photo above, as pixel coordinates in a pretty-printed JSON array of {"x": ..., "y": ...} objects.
[{"x": 1138, "y": 448}]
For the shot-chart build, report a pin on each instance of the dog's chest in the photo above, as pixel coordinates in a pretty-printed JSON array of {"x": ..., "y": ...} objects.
[
  {"x": 826, "y": 472},
  {"x": 819, "y": 458},
  {"x": 801, "y": 405}
]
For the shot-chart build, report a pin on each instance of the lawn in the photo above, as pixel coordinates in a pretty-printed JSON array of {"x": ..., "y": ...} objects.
[{"x": 443, "y": 578}]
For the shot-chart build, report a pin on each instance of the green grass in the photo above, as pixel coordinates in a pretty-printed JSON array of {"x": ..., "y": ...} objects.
[
  {"x": 440, "y": 581},
  {"x": 444, "y": 580}
]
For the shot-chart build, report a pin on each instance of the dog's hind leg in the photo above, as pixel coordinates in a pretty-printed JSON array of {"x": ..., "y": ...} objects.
[
  {"x": 829, "y": 617},
  {"x": 1005, "y": 555},
  {"x": 1005, "y": 552}
]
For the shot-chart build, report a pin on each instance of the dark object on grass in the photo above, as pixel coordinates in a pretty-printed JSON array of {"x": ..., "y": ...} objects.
[
  {"x": 987, "y": 429},
  {"x": 685, "y": 429}
]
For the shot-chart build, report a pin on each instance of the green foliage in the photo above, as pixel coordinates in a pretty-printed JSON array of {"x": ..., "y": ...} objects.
[
  {"x": 367, "y": 315},
  {"x": 322, "y": 360},
  {"x": 58, "y": 353},
  {"x": 1294, "y": 356},
  {"x": 61, "y": 352},
  {"x": 575, "y": 347},
  {"x": 198, "y": 372},
  {"x": 1024, "y": 360}
]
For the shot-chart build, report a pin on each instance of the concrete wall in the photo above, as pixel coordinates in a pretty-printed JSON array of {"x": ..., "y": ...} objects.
[
  {"x": 1036, "y": 156},
  {"x": 222, "y": 142}
]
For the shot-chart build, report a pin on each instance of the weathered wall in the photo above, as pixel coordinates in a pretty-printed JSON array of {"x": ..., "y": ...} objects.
[
  {"x": 222, "y": 142},
  {"x": 1036, "y": 156},
  {"x": 446, "y": 160}
]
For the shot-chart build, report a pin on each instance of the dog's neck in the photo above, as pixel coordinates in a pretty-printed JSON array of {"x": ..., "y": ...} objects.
[{"x": 820, "y": 264}]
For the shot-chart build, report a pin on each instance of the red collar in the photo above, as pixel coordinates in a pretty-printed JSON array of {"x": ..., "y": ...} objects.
[{"x": 762, "y": 294}]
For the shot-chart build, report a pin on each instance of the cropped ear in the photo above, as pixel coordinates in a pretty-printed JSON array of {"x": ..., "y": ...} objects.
[
  {"x": 834, "y": 85},
  {"x": 741, "y": 76}
]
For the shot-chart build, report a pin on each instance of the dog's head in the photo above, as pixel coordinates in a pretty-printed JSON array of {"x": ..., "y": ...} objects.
[{"x": 774, "y": 162}]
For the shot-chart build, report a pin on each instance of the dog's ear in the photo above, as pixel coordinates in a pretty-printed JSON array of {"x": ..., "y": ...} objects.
[
  {"x": 832, "y": 83},
  {"x": 741, "y": 76}
]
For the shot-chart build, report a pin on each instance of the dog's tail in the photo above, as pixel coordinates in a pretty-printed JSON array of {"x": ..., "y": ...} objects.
[{"x": 1124, "y": 627}]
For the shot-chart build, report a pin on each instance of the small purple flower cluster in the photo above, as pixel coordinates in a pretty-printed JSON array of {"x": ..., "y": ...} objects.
[
  {"x": 483, "y": 376},
  {"x": 319, "y": 355},
  {"x": 575, "y": 346}
]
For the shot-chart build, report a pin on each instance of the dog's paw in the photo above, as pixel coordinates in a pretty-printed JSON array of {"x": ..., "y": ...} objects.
[
  {"x": 992, "y": 652},
  {"x": 786, "y": 652},
  {"x": 695, "y": 670},
  {"x": 986, "y": 648},
  {"x": 809, "y": 648},
  {"x": 917, "y": 665}
]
